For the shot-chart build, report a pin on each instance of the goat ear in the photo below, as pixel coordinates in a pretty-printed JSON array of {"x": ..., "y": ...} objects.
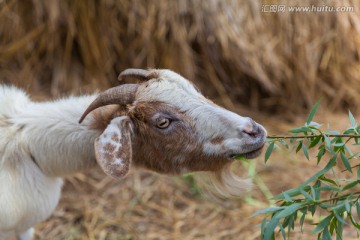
[{"x": 113, "y": 149}]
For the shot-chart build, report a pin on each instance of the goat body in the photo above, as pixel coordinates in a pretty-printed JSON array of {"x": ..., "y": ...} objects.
[
  {"x": 163, "y": 124},
  {"x": 39, "y": 143}
]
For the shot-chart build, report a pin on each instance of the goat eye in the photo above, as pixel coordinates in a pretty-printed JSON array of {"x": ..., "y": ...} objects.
[{"x": 163, "y": 123}]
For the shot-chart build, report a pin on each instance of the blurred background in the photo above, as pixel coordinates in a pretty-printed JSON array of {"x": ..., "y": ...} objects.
[{"x": 252, "y": 57}]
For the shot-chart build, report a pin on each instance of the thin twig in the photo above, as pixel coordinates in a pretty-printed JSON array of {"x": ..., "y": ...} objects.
[
  {"x": 339, "y": 197},
  {"x": 317, "y": 202},
  {"x": 318, "y": 135}
]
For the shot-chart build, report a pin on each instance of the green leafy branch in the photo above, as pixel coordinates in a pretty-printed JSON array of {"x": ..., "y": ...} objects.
[{"x": 336, "y": 199}]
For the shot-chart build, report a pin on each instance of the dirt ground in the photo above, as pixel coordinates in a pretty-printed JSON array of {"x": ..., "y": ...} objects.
[{"x": 145, "y": 205}]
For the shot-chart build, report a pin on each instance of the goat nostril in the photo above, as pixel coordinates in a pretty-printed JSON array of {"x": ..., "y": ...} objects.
[
  {"x": 252, "y": 133},
  {"x": 252, "y": 129}
]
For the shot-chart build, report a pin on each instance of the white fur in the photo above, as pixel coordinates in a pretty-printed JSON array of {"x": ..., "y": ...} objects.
[
  {"x": 42, "y": 142},
  {"x": 211, "y": 120},
  {"x": 107, "y": 139},
  {"x": 39, "y": 143}
]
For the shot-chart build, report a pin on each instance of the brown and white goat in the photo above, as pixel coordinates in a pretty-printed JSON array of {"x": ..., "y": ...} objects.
[{"x": 163, "y": 124}]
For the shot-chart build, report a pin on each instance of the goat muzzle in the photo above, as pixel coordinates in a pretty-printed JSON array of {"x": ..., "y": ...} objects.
[{"x": 120, "y": 95}]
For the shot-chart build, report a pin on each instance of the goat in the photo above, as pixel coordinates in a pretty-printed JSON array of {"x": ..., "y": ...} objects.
[{"x": 163, "y": 124}]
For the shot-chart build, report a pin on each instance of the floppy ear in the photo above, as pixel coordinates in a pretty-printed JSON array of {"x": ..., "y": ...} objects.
[{"x": 113, "y": 149}]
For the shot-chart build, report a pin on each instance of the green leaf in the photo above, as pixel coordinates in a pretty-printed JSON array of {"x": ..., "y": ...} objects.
[
  {"x": 339, "y": 218},
  {"x": 282, "y": 231},
  {"x": 269, "y": 151},
  {"x": 358, "y": 208},
  {"x": 300, "y": 130},
  {"x": 352, "y": 120},
  {"x": 351, "y": 185},
  {"x": 291, "y": 221},
  {"x": 299, "y": 147},
  {"x": 239, "y": 157},
  {"x": 328, "y": 180},
  {"x": 270, "y": 227},
  {"x": 302, "y": 219},
  {"x": 324, "y": 223},
  {"x": 339, "y": 231},
  {"x": 306, "y": 195},
  {"x": 292, "y": 192},
  {"x": 328, "y": 146},
  {"x": 263, "y": 225},
  {"x": 312, "y": 113},
  {"x": 326, "y": 234},
  {"x": 283, "y": 142},
  {"x": 326, "y": 206},
  {"x": 312, "y": 209},
  {"x": 313, "y": 193},
  {"x": 348, "y": 207},
  {"x": 332, "y": 132},
  {"x": 355, "y": 155},
  {"x": 321, "y": 153},
  {"x": 314, "y": 142},
  {"x": 329, "y": 188},
  {"x": 333, "y": 225},
  {"x": 289, "y": 210},
  {"x": 314, "y": 125},
  {"x": 348, "y": 150},
  {"x": 358, "y": 172},
  {"x": 327, "y": 141},
  {"x": 349, "y": 131},
  {"x": 353, "y": 221},
  {"x": 339, "y": 207},
  {"x": 317, "y": 184},
  {"x": 267, "y": 210},
  {"x": 315, "y": 190},
  {"x": 305, "y": 151},
  {"x": 339, "y": 144},
  {"x": 323, "y": 171},
  {"x": 345, "y": 161},
  {"x": 287, "y": 197}
]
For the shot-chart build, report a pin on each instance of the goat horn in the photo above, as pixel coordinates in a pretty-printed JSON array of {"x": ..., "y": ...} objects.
[
  {"x": 120, "y": 95},
  {"x": 136, "y": 74}
]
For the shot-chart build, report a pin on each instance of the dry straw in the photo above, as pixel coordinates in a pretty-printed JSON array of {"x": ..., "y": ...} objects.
[{"x": 268, "y": 61}]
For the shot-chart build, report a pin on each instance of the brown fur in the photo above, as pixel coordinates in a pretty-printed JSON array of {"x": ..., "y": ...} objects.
[
  {"x": 179, "y": 147},
  {"x": 109, "y": 147},
  {"x": 103, "y": 116},
  {"x": 217, "y": 140},
  {"x": 170, "y": 151}
]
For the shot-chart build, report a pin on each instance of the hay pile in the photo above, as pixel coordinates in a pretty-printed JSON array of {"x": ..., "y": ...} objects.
[{"x": 269, "y": 61}]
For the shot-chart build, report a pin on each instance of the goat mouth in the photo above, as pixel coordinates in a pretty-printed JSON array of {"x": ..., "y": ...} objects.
[{"x": 248, "y": 155}]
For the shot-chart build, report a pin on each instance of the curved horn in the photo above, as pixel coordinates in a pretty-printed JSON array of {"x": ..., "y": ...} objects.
[
  {"x": 120, "y": 95},
  {"x": 136, "y": 74}
]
